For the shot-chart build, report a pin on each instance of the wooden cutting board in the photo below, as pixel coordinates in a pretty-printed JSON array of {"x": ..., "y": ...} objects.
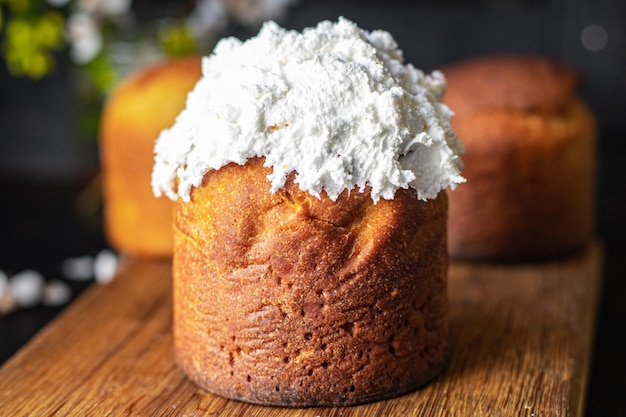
[{"x": 522, "y": 339}]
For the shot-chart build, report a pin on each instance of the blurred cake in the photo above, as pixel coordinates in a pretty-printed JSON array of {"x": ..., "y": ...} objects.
[
  {"x": 137, "y": 223},
  {"x": 310, "y": 258},
  {"x": 529, "y": 159}
]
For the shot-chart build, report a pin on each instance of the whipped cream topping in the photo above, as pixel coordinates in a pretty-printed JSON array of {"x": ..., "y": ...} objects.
[{"x": 335, "y": 103}]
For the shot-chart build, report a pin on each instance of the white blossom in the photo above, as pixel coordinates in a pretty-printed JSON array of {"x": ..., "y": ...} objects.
[
  {"x": 56, "y": 293},
  {"x": 4, "y": 283},
  {"x": 208, "y": 17},
  {"x": 27, "y": 287},
  {"x": 255, "y": 12},
  {"x": 78, "y": 269},
  {"x": 85, "y": 38},
  {"x": 105, "y": 266},
  {"x": 105, "y": 7},
  {"x": 58, "y": 3}
]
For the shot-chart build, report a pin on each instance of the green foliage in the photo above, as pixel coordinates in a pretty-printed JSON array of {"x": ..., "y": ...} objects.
[
  {"x": 177, "y": 41},
  {"x": 101, "y": 72},
  {"x": 32, "y": 36},
  {"x": 30, "y": 42}
]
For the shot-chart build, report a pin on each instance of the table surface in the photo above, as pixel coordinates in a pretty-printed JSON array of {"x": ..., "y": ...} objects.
[{"x": 521, "y": 343}]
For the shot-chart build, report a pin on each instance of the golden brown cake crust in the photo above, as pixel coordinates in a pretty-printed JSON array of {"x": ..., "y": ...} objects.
[
  {"x": 136, "y": 222},
  {"x": 529, "y": 161},
  {"x": 290, "y": 300}
]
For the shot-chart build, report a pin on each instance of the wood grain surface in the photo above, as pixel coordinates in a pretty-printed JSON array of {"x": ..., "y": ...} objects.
[{"x": 522, "y": 340}]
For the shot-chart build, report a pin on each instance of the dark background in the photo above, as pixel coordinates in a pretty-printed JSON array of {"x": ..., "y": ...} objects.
[{"x": 49, "y": 201}]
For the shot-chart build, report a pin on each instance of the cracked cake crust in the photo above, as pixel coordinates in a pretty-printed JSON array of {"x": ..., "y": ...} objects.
[{"x": 286, "y": 299}]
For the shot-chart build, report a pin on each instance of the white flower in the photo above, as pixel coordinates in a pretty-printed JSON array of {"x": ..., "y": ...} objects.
[
  {"x": 78, "y": 269},
  {"x": 56, "y": 293},
  {"x": 27, "y": 287},
  {"x": 4, "y": 283},
  {"x": 105, "y": 266},
  {"x": 105, "y": 7},
  {"x": 255, "y": 12},
  {"x": 58, "y": 3},
  {"x": 208, "y": 16},
  {"x": 84, "y": 37}
]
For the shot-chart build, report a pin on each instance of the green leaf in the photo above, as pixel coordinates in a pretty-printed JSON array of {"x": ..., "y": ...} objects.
[
  {"x": 177, "y": 40},
  {"x": 48, "y": 30}
]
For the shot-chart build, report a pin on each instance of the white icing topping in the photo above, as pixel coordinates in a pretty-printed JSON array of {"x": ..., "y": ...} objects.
[{"x": 336, "y": 104}]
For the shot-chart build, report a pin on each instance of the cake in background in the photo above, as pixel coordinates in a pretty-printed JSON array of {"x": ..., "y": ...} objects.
[
  {"x": 529, "y": 159},
  {"x": 146, "y": 102}
]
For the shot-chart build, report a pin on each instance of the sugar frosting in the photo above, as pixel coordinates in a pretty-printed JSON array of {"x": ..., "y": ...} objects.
[{"x": 335, "y": 103}]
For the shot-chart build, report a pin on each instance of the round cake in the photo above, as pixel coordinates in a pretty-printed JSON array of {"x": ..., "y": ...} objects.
[
  {"x": 529, "y": 159},
  {"x": 137, "y": 110},
  {"x": 310, "y": 255}
]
